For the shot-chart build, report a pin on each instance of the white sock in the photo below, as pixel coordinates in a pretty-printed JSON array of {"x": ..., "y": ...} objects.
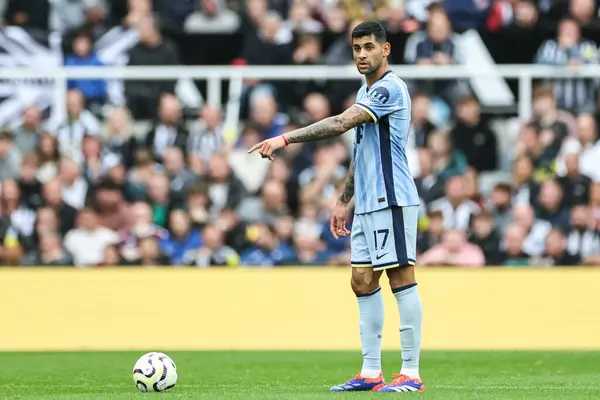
[
  {"x": 371, "y": 326},
  {"x": 411, "y": 322}
]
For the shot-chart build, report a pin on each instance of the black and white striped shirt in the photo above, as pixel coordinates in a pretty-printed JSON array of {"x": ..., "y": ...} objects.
[
  {"x": 573, "y": 94},
  {"x": 204, "y": 142}
]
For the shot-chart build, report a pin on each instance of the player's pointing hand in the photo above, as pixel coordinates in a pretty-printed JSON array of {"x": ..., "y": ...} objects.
[{"x": 266, "y": 148}]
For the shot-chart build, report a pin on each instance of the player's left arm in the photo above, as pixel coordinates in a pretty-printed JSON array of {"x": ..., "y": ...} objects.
[{"x": 324, "y": 129}]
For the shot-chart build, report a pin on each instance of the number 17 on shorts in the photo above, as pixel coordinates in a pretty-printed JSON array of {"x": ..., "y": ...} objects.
[{"x": 386, "y": 238}]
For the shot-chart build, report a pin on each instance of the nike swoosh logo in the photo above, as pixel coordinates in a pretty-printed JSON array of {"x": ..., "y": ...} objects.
[{"x": 381, "y": 256}]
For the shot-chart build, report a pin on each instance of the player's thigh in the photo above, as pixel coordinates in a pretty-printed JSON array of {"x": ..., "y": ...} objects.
[
  {"x": 363, "y": 280},
  {"x": 392, "y": 237}
]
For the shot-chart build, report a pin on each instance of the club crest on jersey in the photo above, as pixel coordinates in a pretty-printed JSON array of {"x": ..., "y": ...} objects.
[{"x": 380, "y": 95}]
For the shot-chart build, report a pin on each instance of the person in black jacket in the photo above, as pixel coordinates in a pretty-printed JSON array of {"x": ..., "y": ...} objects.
[
  {"x": 152, "y": 50},
  {"x": 473, "y": 136},
  {"x": 486, "y": 237},
  {"x": 168, "y": 131}
]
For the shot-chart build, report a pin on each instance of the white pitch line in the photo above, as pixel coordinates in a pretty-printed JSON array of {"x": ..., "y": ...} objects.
[{"x": 453, "y": 387}]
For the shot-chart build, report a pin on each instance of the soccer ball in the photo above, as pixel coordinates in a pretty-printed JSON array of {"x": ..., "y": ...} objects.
[{"x": 154, "y": 372}]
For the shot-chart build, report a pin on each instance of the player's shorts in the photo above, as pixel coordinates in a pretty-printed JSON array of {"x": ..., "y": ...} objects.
[{"x": 385, "y": 239}]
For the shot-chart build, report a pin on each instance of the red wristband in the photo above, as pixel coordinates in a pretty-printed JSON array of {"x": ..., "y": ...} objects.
[{"x": 286, "y": 141}]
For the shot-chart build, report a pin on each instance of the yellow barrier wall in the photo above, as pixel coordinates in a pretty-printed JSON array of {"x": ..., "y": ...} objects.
[{"x": 290, "y": 309}]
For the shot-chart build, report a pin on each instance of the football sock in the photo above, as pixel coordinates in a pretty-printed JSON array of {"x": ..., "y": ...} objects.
[
  {"x": 411, "y": 321},
  {"x": 371, "y": 326}
]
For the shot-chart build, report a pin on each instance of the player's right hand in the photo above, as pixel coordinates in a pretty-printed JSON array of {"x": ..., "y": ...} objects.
[{"x": 337, "y": 225}]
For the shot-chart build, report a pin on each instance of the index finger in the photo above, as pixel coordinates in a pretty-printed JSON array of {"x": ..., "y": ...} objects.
[{"x": 255, "y": 147}]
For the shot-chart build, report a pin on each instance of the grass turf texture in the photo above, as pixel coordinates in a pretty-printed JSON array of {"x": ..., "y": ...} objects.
[{"x": 300, "y": 375}]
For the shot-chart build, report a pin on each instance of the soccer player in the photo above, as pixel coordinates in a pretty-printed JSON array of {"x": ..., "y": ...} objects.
[{"x": 384, "y": 231}]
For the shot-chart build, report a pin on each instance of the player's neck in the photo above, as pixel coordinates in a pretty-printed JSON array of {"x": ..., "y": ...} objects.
[{"x": 376, "y": 75}]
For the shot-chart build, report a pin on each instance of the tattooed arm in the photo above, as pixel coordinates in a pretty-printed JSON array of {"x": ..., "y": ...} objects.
[
  {"x": 327, "y": 128},
  {"x": 348, "y": 191},
  {"x": 330, "y": 127}
]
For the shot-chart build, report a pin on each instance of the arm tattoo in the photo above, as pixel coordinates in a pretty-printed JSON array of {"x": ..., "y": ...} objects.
[
  {"x": 348, "y": 191},
  {"x": 330, "y": 127}
]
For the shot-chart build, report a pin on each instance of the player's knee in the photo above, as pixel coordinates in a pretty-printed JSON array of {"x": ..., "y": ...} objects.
[
  {"x": 364, "y": 280},
  {"x": 401, "y": 276}
]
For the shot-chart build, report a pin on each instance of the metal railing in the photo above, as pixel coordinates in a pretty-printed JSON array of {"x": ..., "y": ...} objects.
[{"x": 215, "y": 75}]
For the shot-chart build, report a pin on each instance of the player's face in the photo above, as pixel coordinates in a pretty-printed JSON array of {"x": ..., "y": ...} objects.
[{"x": 369, "y": 54}]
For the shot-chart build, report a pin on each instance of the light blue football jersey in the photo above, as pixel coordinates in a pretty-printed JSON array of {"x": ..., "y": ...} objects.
[{"x": 381, "y": 175}]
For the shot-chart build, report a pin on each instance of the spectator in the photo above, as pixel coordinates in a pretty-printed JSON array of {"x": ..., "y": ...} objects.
[
  {"x": 53, "y": 198},
  {"x": 525, "y": 190},
  {"x": 224, "y": 189},
  {"x": 97, "y": 161},
  {"x": 270, "y": 44},
  {"x": 212, "y": 17},
  {"x": 181, "y": 239},
  {"x": 153, "y": 49},
  {"x": 421, "y": 126},
  {"x": 93, "y": 91},
  {"x": 500, "y": 207},
  {"x": 585, "y": 146},
  {"x": 176, "y": 171},
  {"x": 595, "y": 202},
  {"x": 17, "y": 218},
  {"x": 214, "y": 252},
  {"x": 10, "y": 157},
  {"x": 29, "y": 185},
  {"x": 455, "y": 206},
  {"x": 514, "y": 243},
  {"x": 142, "y": 226},
  {"x": 486, "y": 237},
  {"x": 575, "y": 186},
  {"x": 300, "y": 21},
  {"x": 320, "y": 178},
  {"x": 553, "y": 124},
  {"x": 139, "y": 176},
  {"x": 46, "y": 221},
  {"x": 150, "y": 254},
  {"x": 27, "y": 136},
  {"x": 556, "y": 252},
  {"x": 74, "y": 186},
  {"x": 264, "y": 115},
  {"x": 436, "y": 46},
  {"x": 309, "y": 250},
  {"x": 446, "y": 160},
  {"x": 169, "y": 130},
  {"x": 87, "y": 242},
  {"x": 197, "y": 203},
  {"x": 80, "y": 122},
  {"x": 111, "y": 257},
  {"x": 112, "y": 208},
  {"x": 268, "y": 250},
  {"x": 583, "y": 240},
  {"x": 207, "y": 137},
  {"x": 534, "y": 230},
  {"x": 272, "y": 204},
  {"x": 454, "y": 250},
  {"x": 51, "y": 252},
  {"x": 160, "y": 199},
  {"x": 429, "y": 184},
  {"x": 473, "y": 136},
  {"x": 550, "y": 205},
  {"x": 531, "y": 144},
  {"x": 432, "y": 235},
  {"x": 48, "y": 156},
  {"x": 117, "y": 136},
  {"x": 252, "y": 171},
  {"x": 571, "y": 50}
]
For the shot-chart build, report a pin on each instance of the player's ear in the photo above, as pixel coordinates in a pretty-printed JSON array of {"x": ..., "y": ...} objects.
[{"x": 387, "y": 48}]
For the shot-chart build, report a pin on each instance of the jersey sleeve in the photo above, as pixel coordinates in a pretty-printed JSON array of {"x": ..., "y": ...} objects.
[{"x": 381, "y": 99}]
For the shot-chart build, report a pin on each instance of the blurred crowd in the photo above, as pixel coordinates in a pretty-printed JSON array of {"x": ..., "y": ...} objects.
[{"x": 94, "y": 191}]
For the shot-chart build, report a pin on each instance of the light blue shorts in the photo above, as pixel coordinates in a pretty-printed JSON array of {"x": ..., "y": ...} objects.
[{"x": 385, "y": 239}]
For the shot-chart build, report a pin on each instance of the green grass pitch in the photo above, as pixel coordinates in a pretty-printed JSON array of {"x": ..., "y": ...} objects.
[{"x": 300, "y": 375}]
